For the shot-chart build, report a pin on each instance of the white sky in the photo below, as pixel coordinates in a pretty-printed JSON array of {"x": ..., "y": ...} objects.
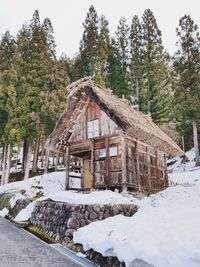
[{"x": 67, "y": 17}]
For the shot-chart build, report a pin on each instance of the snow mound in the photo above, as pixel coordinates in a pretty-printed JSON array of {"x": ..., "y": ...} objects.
[
  {"x": 177, "y": 164},
  {"x": 44, "y": 184},
  {"x": 163, "y": 233},
  {"x": 4, "y": 212},
  {"x": 96, "y": 197}
]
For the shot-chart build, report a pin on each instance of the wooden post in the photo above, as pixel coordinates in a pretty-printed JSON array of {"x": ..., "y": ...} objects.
[
  {"x": 107, "y": 162},
  {"x": 166, "y": 172},
  {"x": 124, "y": 167},
  {"x": 137, "y": 166},
  {"x": 92, "y": 163},
  {"x": 149, "y": 169},
  {"x": 157, "y": 170},
  {"x": 82, "y": 173},
  {"x": 67, "y": 163}
]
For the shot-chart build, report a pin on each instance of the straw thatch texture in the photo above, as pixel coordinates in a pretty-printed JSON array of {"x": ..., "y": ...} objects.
[{"x": 132, "y": 122}]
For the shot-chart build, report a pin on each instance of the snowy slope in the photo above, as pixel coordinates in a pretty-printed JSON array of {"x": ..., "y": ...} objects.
[
  {"x": 45, "y": 184},
  {"x": 177, "y": 164},
  {"x": 164, "y": 232}
]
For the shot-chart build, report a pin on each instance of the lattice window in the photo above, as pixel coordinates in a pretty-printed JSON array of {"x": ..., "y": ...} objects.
[{"x": 93, "y": 128}]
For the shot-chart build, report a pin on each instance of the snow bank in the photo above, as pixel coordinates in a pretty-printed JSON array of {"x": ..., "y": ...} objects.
[
  {"x": 98, "y": 197},
  {"x": 14, "y": 199},
  {"x": 44, "y": 184},
  {"x": 164, "y": 232},
  {"x": 178, "y": 165},
  {"x": 4, "y": 212}
]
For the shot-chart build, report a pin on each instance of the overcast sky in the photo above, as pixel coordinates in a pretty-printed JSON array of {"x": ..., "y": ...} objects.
[{"x": 67, "y": 17}]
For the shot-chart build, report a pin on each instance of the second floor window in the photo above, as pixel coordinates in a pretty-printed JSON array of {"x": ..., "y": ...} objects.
[{"x": 93, "y": 128}]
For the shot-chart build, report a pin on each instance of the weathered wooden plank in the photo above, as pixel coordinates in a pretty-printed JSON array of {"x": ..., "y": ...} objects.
[
  {"x": 67, "y": 163},
  {"x": 124, "y": 164},
  {"x": 92, "y": 162},
  {"x": 137, "y": 166},
  {"x": 107, "y": 161}
]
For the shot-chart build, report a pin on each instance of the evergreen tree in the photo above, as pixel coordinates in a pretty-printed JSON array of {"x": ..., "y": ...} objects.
[
  {"x": 7, "y": 94},
  {"x": 155, "y": 96},
  {"x": 7, "y": 51},
  {"x": 118, "y": 61},
  {"x": 187, "y": 67},
  {"x": 102, "y": 52},
  {"x": 88, "y": 44},
  {"x": 136, "y": 58}
]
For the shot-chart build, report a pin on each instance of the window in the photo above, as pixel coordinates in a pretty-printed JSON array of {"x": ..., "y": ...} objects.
[
  {"x": 102, "y": 153},
  {"x": 113, "y": 151},
  {"x": 93, "y": 128}
]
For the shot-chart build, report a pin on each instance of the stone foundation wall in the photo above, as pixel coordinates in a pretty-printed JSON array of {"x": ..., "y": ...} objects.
[
  {"x": 19, "y": 205},
  {"x": 60, "y": 220}
]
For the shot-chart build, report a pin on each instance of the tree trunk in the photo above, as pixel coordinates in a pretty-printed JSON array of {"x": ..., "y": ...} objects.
[
  {"x": 183, "y": 143},
  {"x": 57, "y": 159},
  {"x": 53, "y": 159},
  {"x": 42, "y": 155},
  {"x": 2, "y": 156},
  {"x": 195, "y": 140},
  {"x": 17, "y": 158},
  {"x": 28, "y": 161},
  {"x": 25, "y": 152},
  {"x": 4, "y": 164},
  {"x": 35, "y": 157},
  {"x": 7, "y": 169},
  {"x": 46, "y": 160}
]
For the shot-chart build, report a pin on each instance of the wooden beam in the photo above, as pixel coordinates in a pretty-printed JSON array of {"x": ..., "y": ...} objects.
[
  {"x": 124, "y": 163},
  {"x": 82, "y": 173},
  {"x": 107, "y": 162},
  {"x": 93, "y": 162},
  {"x": 137, "y": 166},
  {"x": 67, "y": 163},
  {"x": 166, "y": 172},
  {"x": 149, "y": 169}
]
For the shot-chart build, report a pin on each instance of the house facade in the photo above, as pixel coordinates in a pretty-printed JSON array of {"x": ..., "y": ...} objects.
[{"x": 116, "y": 146}]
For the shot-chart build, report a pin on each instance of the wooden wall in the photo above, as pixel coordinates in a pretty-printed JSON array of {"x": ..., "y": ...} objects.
[
  {"x": 145, "y": 166},
  {"x": 89, "y": 113},
  {"x": 136, "y": 166}
]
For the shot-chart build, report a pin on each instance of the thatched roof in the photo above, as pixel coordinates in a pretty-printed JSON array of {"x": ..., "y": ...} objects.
[{"x": 130, "y": 121}]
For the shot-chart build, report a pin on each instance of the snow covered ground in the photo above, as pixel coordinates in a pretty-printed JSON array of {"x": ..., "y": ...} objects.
[
  {"x": 177, "y": 164},
  {"x": 164, "y": 232}
]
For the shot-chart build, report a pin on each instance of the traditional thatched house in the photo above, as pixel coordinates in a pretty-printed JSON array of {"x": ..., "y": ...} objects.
[{"x": 119, "y": 146}]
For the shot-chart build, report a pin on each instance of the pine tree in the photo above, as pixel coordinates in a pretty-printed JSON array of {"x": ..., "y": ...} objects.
[
  {"x": 156, "y": 91},
  {"x": 7, "y": 92},
  {"x": 118, "y": 61},
  {"x": 136, "y": 54},
  {"x": 88, "y": 44},
  {"x": 186, "y": 65},
  {"x": 102, "y": 52}
]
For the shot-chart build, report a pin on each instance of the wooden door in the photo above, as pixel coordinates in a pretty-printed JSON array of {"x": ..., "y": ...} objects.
[{"x": 87, "y": 174}]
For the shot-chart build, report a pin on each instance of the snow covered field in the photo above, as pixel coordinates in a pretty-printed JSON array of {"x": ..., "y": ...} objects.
[{"x": 164, "y": 232}]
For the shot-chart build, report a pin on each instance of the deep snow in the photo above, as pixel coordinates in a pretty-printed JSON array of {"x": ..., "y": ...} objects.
[{"x": 164, "y": 232}]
